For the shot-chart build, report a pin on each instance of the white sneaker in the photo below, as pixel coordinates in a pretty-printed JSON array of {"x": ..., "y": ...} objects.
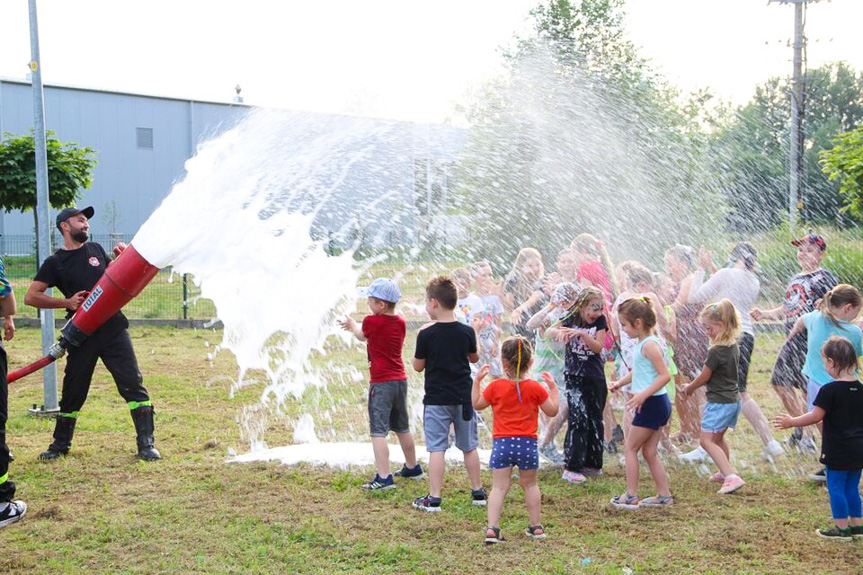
[
  {"x": 773, "y": 450},
  {"x": 13, "y": 512},
  {"x": 694, "y": 456}
]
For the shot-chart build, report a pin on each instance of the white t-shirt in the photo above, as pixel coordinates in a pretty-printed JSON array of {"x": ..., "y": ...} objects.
[
  {"x": 469, "y": 306},
  {"x": 738, "y": 286}
]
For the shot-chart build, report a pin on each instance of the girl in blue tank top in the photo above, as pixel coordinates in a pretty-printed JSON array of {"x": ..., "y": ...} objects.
[{"x": 650, "y": 403}]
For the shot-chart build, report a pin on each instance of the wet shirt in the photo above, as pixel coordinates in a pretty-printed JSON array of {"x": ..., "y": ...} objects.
[
  {"x": 842, "y": 444},
  {"x": 385, "y": 336},
  {"x": 803, "y": 291},
  {"x": 581, "y": 361},
  {"x": 818, "y": 329},
  {"x": 72, "y": 271},
  {"x": 515, "y": 406},
  {"x": 445, "y": 347},
  {"x": 469, "y": 306},
  {"x": 723, "y": 361},
  {"x": 491, "y": 312}
]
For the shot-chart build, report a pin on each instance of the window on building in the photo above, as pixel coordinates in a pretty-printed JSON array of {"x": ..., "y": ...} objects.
[{"x": 144, "y": 137}]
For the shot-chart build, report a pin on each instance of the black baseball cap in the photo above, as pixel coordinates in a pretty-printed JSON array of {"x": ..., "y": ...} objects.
[{"x": 67, "y": 213}]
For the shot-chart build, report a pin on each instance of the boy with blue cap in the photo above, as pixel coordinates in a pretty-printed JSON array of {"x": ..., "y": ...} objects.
[{"x": 384, "y": 334}]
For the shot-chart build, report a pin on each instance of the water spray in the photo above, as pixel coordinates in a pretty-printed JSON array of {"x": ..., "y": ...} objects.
[{"x": 124, "y": 279}]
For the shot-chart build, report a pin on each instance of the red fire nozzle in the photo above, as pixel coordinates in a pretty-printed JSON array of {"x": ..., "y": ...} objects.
[{"x": 123, "y": 280}]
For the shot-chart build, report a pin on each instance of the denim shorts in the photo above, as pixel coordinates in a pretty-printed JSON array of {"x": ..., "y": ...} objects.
[
  {"x": 720, "y": 416},
  {"x": 388, "y": 407},
  {"x": 437, "y": 420},
  {"x": 519, "y": 451},
  {"x": 655, "y": 412}
]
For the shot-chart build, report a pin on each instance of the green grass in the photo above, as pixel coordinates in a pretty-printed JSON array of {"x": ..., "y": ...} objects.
[{"x": 101, "y": 511}]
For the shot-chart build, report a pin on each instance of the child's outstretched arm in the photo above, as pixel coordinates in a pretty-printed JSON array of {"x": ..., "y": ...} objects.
[
  {"x": 653, "y": 352},
  {"x": 595, "y": 343},
  {"x": 623, "y": 381},
  {"x": 785, "y": 421},
  {"x": 476, "y": 398},
  {"x": 350, "y": 324},
  {"x": 551, "y": 405},
  {"x": 537, "y": 320}
]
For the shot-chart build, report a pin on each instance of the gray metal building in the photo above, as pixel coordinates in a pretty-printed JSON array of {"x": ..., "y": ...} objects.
[{"x": 143, "y": 141}]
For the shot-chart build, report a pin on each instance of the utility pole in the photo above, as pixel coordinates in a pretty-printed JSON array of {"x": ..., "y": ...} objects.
[
  {"x": 43, "y": 214},
  {"x": 798, "y": 101}
]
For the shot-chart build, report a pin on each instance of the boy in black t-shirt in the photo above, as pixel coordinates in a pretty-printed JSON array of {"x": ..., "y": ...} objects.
[
  {"x": 839, "y": 405},
  {"x": 445, "y": 349}
]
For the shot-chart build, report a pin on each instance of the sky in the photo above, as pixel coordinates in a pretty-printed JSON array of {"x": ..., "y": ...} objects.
[{"x": 401, "y": 59}]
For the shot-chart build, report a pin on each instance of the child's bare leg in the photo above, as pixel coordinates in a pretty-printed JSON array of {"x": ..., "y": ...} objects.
[
  {"x": 471, "y": 463},
  {"x": 715, "y": 446},
  {"x": 665, "y": 440},
  {"x": 608, "y": 420},
  {"x": 687, "y": 411},
  {"x": 556, "y": 423},
  {"x": 382, "y": 455},
  {"x": 651, "y": 456},
  {"x": 532, "y": 496},
  {"x": 753, "y": 414},
  {"x": 436, "y": 469},
  {"x": 634, "y": 441},
  {"x": 627, "y": 417},
  {"x": 501, "y": 479},
  {"x": 406, "y": 440}
]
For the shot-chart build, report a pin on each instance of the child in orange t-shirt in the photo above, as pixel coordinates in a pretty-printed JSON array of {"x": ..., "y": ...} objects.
[{"x": 515, "y": 404}]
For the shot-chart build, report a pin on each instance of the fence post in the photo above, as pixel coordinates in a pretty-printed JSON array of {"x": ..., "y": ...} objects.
[{"x": 185, "y": 296}]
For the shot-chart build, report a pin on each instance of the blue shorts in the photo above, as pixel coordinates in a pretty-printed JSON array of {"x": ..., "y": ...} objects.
[
  {"x": 720, "y": 416},
  {"x": 655, "y": 412},
  {"x": 518, "y": 451},
  {"x": 437, "y": 420}
]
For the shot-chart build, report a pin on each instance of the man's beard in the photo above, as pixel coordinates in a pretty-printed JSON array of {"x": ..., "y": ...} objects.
[{"x": 79, "y": 236}]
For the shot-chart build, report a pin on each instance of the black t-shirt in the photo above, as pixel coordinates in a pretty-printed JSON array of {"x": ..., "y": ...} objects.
[
  {"x": 580, "y": 360},
  {"x": 72, "y": 271},
  {"x": 842, "y": 443},
  {"x": 803, "y": 290},
  {"x": 445, "y": 347}
]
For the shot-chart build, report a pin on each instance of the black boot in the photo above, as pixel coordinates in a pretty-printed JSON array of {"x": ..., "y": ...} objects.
[
  {"x": 63, "y": 432},
  {"x": 143, "y": 418}
]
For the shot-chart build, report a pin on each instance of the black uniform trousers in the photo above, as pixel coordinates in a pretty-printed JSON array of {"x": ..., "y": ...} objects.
[
  {"x": 110, "y": 343},
  {"x": 583, "y": 445},
  {"x": 7, "y": 488}
]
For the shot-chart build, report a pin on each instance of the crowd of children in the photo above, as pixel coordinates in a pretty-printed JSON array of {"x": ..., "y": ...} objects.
[{"x": 683, "y": 338}]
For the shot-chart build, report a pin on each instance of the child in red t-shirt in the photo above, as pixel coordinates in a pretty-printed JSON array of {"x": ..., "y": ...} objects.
[
  {"x": 515, "y": 405},
  {"x": 384, "y": 332}
]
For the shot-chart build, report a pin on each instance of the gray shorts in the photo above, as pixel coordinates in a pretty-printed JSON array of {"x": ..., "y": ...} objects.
[
  {"x": 788, "y": 369},
  {"x": 437, "y": 420},
  {"x": 388, "y": 407}
]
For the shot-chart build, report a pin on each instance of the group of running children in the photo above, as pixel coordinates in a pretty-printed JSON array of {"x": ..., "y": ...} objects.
[{"x": 671, "y": 336}]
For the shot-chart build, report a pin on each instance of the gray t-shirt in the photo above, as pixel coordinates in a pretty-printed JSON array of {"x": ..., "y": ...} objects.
[
  {"x": 739, "y": 286},
  {"x": 723, "y": 361}
]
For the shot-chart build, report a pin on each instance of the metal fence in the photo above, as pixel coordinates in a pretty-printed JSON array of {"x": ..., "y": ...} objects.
[{"x": 168, "y": 296}]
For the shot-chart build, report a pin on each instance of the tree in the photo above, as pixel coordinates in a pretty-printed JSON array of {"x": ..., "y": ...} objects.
[
  {"x": 843, "y": 163},
  {"x": 70, "y": 170},
  {"x": 751, "y": 146},
  {"x": 582, "y": 136}
]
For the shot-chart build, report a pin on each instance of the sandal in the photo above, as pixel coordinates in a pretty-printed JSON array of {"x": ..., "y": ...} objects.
[
  {"x": 658, "y": 501},
  {"x": 626, "y": 501},
  {"x": 498, "y": 538},
  {"x": 531, "y": 531}
]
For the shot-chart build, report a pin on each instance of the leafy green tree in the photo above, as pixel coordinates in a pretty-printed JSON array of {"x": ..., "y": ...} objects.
[
  {"x": 579, "y": 136},
  {"x": 751, "y": 146},
  {"x": 843, "y": 163}
]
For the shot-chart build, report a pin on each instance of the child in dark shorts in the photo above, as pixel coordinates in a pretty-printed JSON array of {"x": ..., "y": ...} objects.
[
  {"x": 515, "y": 405},
  {"x": 650, "y": 402},
  {"x": 445, "y": 349},
  {"x": 384, "y": 332}
]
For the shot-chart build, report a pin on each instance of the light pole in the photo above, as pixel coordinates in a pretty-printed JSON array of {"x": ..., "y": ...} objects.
[{"x": 43, "y": 214}]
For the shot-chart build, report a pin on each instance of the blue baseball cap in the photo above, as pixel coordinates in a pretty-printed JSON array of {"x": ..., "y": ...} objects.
[{"x": 383, "y": 289}]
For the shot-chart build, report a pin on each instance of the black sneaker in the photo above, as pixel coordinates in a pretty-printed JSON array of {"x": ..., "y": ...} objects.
[
  {"x": 13, "y": 512},
  {"x": 856, "y": 531},
  {"x": 617, "y": 434},
  {"x": 479, "y": 497},
  {"x": 415, "y": 472},
  {"x": 427, "y": 503},
  {"x": 379, "y": 483},
  {"x": 819, "y": 476},
  {"x": 835, "y": 533}
]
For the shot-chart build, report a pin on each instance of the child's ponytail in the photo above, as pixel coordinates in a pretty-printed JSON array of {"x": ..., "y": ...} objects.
[{"x": 841, "y": 295}]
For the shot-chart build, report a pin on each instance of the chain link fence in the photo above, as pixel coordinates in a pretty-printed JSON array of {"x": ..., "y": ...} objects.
[{"x": 167, "y": 297}]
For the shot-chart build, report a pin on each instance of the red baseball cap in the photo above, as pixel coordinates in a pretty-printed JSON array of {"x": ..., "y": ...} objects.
[{"x": 811, "y": 239}]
